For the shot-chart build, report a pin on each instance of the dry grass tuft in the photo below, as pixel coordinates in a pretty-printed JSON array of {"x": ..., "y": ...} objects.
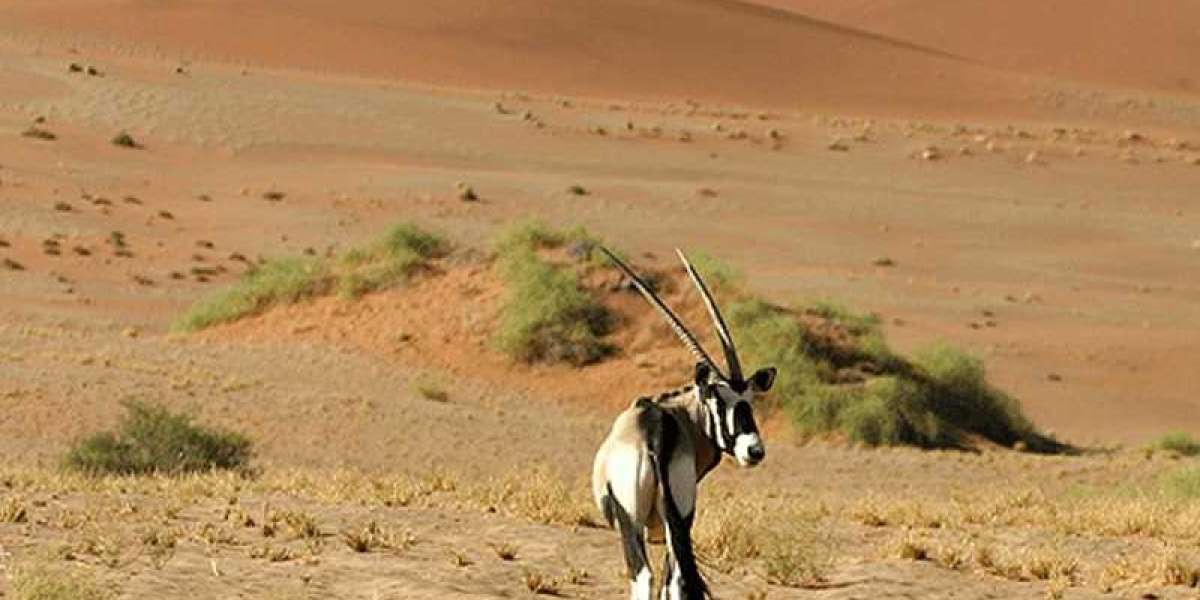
[
  {"x": 504, "y": 551},
  {"x": 539, "y": 583},
  {"x": 539, "y": 496},
  {"x": 431, "y": 388},
  {"x": 47, "y": 580},
  {"x": 13, "y": 510}
]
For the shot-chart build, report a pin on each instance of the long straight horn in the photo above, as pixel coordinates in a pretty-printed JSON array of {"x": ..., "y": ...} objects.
[
  {"x": 735, "y": 367},
  {"x": 684, "y": 335}
]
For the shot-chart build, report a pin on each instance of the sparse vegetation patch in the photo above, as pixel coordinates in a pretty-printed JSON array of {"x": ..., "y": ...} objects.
[
  {"x": 547, "y": 316},
  {"x": 276, "y": 282},
  {"x": 45, "y": 580},
  {"x": 392, "y": 259},
  {"x": 1178, "y": 442},
  {"x": 153, "y": 440},
  {"x": 839, "y": 375}
]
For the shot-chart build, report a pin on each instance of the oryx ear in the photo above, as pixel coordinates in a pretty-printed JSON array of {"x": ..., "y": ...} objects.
[
  {"x": 703, "y": 372},
  {"x": 763, "y": 379}
]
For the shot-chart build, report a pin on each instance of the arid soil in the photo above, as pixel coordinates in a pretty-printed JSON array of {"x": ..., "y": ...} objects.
[{"x": 1038, "y": 207}]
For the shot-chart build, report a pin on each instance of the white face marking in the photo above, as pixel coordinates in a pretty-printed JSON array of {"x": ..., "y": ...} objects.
[
  {"x": 742, "y": 447},
  {"x": 639, "y": 588}
]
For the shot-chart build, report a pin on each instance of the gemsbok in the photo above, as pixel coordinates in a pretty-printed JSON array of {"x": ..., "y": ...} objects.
[{"x": 646, "y": 472}]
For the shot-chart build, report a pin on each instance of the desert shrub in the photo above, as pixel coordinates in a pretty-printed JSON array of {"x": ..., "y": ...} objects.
[
  {"x": 717, "y": 274},
  {"x": 43, "y": 580},
  {"x": 1177, "y": 442},
  {"x": 391, "y": 260},
  {"x": 861, "y": 389},
  {"x": 125, "y": 140},
  {"x": 153, "y": 440},
  {"x": 1182, "y": 483},
  {"x": 277, "y": 282},
  {"x": 546, "y": 315},
  {"x": 959, "y": 394},
  {"x": 388, "y": 261}
]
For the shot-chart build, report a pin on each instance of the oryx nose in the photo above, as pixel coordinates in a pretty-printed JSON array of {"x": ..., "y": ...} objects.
[{"x": 756, "y": 453}]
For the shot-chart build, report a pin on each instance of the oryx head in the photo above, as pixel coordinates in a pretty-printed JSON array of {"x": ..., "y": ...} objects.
[{"x": 728, "y": 399}]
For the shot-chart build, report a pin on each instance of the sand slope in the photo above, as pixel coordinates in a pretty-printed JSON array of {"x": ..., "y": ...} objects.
[
  {"x": 713, "y": 49},
  {"x": 1136, "y": 44}
]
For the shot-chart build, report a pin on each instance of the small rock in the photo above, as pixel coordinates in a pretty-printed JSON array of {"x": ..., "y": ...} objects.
[
  {"x": 1054, "y": 377},
  {"x": 12, "y": 265},
  {"x": 1034, "y": 157},
  {"x": 931, "y": 153},
  {"x": 838, "y": 145},
  {"x": 130, "y": 332},
  {"x": 884, "y": 261}
]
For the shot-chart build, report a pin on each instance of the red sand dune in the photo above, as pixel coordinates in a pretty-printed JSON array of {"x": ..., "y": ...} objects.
[
  {"x": 1143, "y": 43},
  {"x": 704, "y": 49}
]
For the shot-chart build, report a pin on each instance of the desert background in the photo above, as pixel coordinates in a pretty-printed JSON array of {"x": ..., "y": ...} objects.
[{"x": 1016, "y": 179}]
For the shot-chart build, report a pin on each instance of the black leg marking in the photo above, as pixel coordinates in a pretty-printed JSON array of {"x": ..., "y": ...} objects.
[
  {"x": 679, "y": 526},
  {"x": 631, "y": 539}
]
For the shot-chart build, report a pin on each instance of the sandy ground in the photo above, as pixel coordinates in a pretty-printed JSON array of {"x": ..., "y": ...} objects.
[{"x": 1054, "y": 229}]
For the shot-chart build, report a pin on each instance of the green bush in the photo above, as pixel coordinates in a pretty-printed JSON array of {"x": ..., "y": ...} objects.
[
  {"x": 392, "y": 260},
  {"x": 546, "y": 316},
  {"x": 854, "y": 384},
  {"x": 1177, "y": 442},
  {"x": 389, "y": 261},
  {"x": 1183, "y": 483},
  {"x": 283, "y": 281},
  {"x": 152, "y": 440}
]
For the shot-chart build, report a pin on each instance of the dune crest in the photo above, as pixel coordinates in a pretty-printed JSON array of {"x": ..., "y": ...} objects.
[{"x": 717, "y": 50}]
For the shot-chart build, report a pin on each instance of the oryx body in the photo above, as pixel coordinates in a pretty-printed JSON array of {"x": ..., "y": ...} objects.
[{"x": 646, "y": 472}]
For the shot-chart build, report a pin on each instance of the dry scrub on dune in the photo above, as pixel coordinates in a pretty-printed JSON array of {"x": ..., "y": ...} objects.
[
  {"x": 837, "y": 374},
  {"x": 547, "y": 315},
  {"x": 402, "y": 251}
]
